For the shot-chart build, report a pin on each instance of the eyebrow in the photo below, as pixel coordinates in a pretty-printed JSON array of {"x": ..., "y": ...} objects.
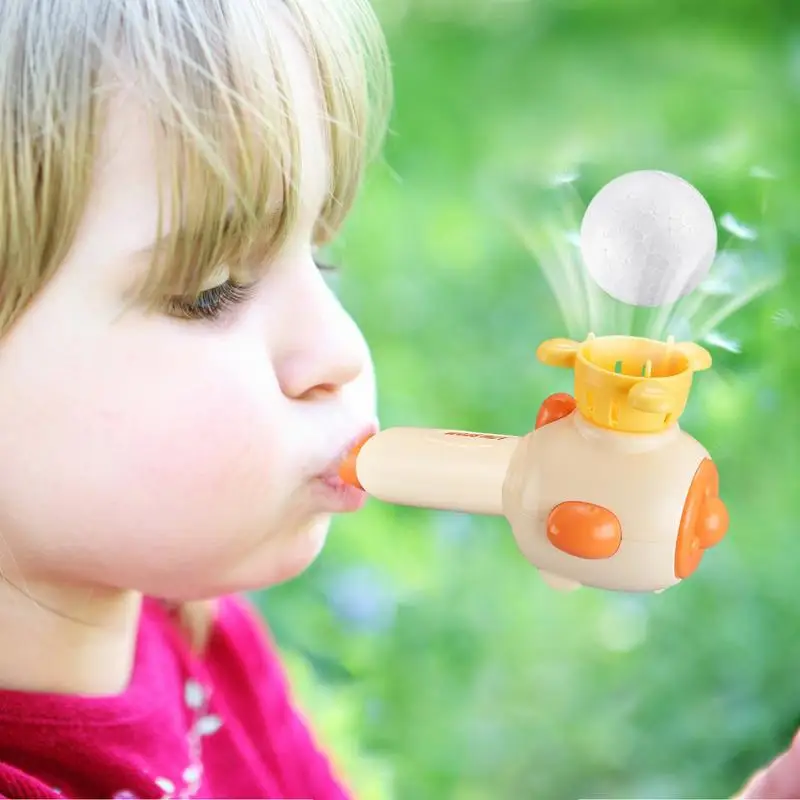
[{"x": 148, "y": 249}]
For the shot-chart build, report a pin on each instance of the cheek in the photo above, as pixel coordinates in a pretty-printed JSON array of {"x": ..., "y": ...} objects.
[
  {"x": 184, "y": 454},
  {"x": 224, "y": 440}
]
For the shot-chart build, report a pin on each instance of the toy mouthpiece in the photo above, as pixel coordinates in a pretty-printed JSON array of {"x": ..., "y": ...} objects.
[{"x": 347, "y": 469}]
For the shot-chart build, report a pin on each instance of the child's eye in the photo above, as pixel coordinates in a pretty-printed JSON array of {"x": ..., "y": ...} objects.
[
  {"x": 211, "y": 303},
  {"x": 325, "y": 266}
]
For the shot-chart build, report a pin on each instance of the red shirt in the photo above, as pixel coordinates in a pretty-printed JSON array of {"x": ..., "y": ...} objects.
[{"x": 217, "y": 726}]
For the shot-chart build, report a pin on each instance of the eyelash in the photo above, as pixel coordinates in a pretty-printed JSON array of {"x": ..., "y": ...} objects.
[{"x": 212, "y": 303}]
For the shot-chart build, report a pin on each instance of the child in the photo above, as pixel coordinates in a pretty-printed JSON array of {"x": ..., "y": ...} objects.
[{"x": 177, "y": 382}]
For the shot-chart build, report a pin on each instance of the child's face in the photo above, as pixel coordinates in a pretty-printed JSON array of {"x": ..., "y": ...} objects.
[{"x": 181, "y": 458}]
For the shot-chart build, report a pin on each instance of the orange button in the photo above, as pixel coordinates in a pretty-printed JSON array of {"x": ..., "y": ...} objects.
[
  {"x": 704, "y": 521},
  {"x": 713, "y": 523},
  {"x": 584, "y": 530},
  {"x": 555, "y": 408}
]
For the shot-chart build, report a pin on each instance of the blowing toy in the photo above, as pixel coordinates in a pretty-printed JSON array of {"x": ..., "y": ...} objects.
[{"x": 607, "y": 490}]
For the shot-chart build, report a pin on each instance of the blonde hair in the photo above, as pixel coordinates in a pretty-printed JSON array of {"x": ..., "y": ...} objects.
[{"x": 214, "y": 75}]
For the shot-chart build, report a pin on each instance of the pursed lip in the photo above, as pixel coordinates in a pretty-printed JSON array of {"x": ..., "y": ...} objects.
[
  {"x": 332, "y": 470},
  {"x": 341, "y": 496}
]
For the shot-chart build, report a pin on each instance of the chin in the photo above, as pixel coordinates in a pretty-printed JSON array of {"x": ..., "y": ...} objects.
[
  {"x": 276, "y": 560},
  {"x": 302, "y": 549},
  {"x": 282, "y": 558}
]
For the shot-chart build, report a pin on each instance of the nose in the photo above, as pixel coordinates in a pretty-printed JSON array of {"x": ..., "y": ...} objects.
[{"x": 323, "y": 350}]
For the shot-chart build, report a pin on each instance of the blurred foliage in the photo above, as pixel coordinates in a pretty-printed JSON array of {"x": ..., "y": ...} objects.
[{"x": 434, "y": 661}]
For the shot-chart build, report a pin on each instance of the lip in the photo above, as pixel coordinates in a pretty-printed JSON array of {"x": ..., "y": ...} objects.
[
  {"x": 338, "y": 496},
  {"x": 341, "y": 497}
]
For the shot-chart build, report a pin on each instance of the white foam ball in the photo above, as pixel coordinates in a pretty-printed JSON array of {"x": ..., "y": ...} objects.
[{"x": 648, "y": 238}]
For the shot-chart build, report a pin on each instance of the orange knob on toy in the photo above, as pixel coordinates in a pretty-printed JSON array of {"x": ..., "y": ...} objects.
[
  {"x": 713, "y": 523},
  {"x": 704, "y": 521},
  {"x": 554, "y": 408},
  {"x": 584, "y": 530}
]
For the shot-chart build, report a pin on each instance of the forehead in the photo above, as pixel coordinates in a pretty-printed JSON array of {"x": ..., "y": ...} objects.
[{"x": 123, "y": 208}]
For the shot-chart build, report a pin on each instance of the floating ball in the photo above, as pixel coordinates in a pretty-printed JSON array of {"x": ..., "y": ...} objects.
[{"x": 648, "y": 238}]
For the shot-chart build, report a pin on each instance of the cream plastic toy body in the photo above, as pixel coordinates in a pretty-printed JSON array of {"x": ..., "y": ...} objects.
[{"x": 607, "y": 490}]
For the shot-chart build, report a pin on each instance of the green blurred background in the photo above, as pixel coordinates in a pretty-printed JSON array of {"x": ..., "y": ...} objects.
[{"x": 434, "y": 661}]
